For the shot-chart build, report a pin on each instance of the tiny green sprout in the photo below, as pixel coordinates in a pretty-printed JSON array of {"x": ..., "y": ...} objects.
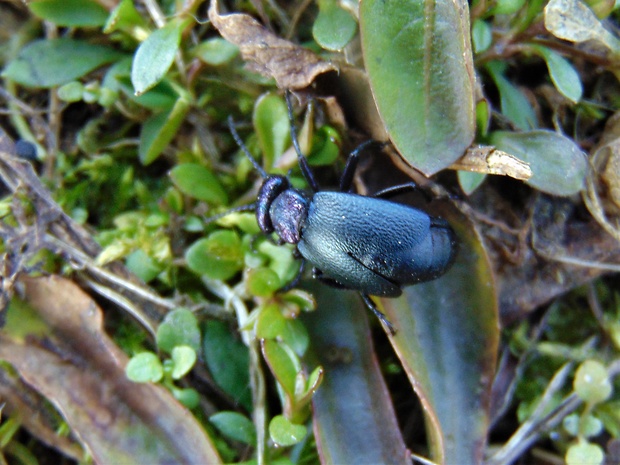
[
  {"x": 592, "y": 382},
  {"x": 584, "y": 452}
]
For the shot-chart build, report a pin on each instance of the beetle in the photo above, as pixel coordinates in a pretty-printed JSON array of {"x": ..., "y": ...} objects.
[{"x": 369, "y": 244}]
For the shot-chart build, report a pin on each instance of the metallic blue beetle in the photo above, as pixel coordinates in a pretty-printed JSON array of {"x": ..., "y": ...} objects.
[{"x": 368, "y": 244}]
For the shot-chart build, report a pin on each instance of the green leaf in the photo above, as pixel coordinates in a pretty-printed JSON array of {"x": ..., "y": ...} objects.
[
  {"x": 584, "y": 452},
  {"x": 354, "y": 419},
  {"x": 419, "y": 63},
  {"x": 142, "y": 265},
  {"x": 447, "y": 341},
  {"x": 284, "y": 433},
  {"x": 183, "y": 359},
  {"x": 179, "y": 327},
  {"x": 235, "y": 426},
  {"x": 514, "y": 104},
  {"x": 216, "y": 51},
  {"x": 124, "y": 17},
  {"x": 155, "y": 55},
  {"x": 72, "y": 13},
  {"x": 159, "y": 130},
  {"x": 592, "y": 382},
  {"x": 228, "y": 361},
  {"x": 144, "y": 367},
  {"x": 49, "y": 63},
  {"x": 562, "y": 73},
  {"x": 507, "y": 7},
  {"x": 334, "y": 27},
  {"x": 558, "y": 164},
  {"x": 188, "y": 397},
  {"x": 284, "y": 364},
  {"x": 262, "y": 282},
  {"x": 197, "y": 181},
  {"x": 270, "y": 119},
  {"x": 481, "y": 35},
  {"x": 271, "y": 324},
  {"x": 470, "y": 181},
  {"x": 218, "y": 256}
]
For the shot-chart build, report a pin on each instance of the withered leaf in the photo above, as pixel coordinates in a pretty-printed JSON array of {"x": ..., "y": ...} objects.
[
  {"x": 489, "y": 160},
  {"x": 83, "y": 375},
  {"x": 292, "y": 66}
]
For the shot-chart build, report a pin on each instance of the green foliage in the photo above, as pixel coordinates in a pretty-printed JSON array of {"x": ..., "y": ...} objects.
[
  {"x": 235, "y": 426},
  {"x": 179, "y": 328},
  {"x": 136, "y": 148}
]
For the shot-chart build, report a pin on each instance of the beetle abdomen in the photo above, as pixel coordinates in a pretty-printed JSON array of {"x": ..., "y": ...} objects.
[{"x": 374, "y": 245}]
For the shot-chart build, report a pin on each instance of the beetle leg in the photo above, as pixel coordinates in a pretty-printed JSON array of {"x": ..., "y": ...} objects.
[
  {"x": 382, "y": 318},
  {"x": 297, "y": 277},
  {"x": 349, "y": 170},
  {"x": 402, "y": 189}
]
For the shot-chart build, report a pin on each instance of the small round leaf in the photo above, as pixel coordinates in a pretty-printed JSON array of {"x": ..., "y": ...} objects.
[
  {"x": 144, "y": 367},
  {"x": 284, "y": 433}
]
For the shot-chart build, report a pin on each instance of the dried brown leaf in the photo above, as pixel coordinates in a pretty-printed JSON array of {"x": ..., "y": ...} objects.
[
  {"x": 292, "y": 66},
  {"x": 489, "y": 160},
  {"x": 117, "y": 420}
]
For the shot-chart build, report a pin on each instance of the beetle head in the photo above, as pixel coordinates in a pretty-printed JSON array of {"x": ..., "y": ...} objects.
[{"x": 288, "y": 214}]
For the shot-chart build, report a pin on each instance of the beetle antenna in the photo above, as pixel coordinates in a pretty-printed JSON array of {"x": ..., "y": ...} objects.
[
  {"x": 219, "y": 216},
  {"x": 243, "y": 147},
  {"x": 303, "y": 162}
]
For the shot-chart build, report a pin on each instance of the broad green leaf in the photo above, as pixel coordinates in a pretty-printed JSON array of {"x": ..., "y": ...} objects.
[
  {"x": 53, "y": 62},
  {"x": 284, "y": 433},
  {"x": 235, "y": 426},
  {"x": 447, "y": 339},
  {"x": 514, "y": 104},
  {"x": 72, "y": 13},
  {"x": 270, "y": 119},
  {"x": 217, "y": 256},
  {"x": 159, "y": 130},
  {"x": 354, "y": 420},
  {"x": 216, "y": 51},
  {"x": 558, "y": 165},
  {"x": 179, "y": 327},
  {"x": 228, "y": 361},
  {"x": 155, "y": 56},
  {"x": 562, "y": 73},
  {"x": 419, "y": 63},
  {"x": 334, "y": 27},
  {"x": 197, "y": 181}
]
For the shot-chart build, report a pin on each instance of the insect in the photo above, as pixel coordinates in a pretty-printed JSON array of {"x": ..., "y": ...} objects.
[{"x": 365, "y": 243}]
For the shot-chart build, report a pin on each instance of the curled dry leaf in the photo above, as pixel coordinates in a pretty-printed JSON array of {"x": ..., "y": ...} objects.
[
  {"x": 602, "y": 194},
  {"x": 292, "y": 66},
  {"x": 81, "y": 371},
  {"x": 489, "y": 160}
]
